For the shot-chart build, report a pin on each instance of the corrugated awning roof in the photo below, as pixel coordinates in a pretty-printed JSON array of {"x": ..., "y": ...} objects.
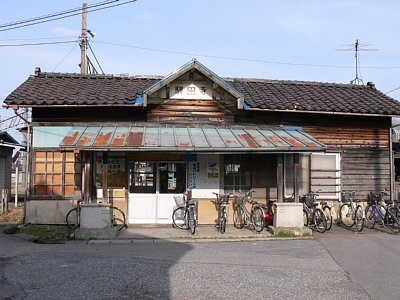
[{"x": 184, "y": 139}]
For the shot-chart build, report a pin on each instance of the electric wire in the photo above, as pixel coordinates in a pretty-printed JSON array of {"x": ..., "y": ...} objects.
[
  {"x": 38, "y": 39},
  {"x": 239, "y": 58},
  {"x": 51, "y": 15},
  {"x": 65, "y": 57},
  {"x": 36, "y": 44},
  {"x": 391, "y": 91},
  {"x": 64, "y": 17},
  {"x": 91, "y": 50}
]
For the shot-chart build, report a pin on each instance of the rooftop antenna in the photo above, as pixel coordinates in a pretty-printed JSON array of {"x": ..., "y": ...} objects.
[{"x": 356, "y": 47}]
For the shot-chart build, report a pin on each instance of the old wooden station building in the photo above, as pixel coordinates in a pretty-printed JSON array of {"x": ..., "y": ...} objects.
[{"x": 138, "y": 141}]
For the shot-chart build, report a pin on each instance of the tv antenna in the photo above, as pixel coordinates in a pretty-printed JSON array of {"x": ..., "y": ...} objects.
[{"x": 357, "y": 47}]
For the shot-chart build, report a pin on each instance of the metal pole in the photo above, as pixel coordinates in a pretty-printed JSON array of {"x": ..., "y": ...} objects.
[{"x": 16, "y": 182}]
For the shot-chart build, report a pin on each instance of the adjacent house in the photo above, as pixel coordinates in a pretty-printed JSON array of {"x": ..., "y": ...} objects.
[
  {"x": 136, "y": 142},
  {"x": 7, "y": 146}
]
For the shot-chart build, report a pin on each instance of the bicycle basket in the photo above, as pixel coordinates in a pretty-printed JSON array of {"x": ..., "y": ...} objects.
[
  {"x": 308, "y": 200},
  {"x": 373, "y": 198},
  {"x": 179, "y": 200}
]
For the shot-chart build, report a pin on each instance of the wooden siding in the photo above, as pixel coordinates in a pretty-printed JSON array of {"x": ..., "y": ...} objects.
[
  {"x": 365, "y": 163},
  {"x": 190, "y": 112},
  {"x": 87, "y": 114}
]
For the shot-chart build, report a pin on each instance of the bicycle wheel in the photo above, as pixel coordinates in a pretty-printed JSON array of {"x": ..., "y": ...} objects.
[
  {"x": 319, "y": 220},
  {"x": 258, "y": 218},
  {"x": 369, "y": 217},
  {"x": 359, "y": 218},
  {"x": 72, "y": 218},
  {"x": 179, "y": 218},
  {"x": 346, "y": 215},
  {"x": 305, "y": 218},
  {"x": 328, "y": 217},
  {"x": 222, "y": 220},
  {"x": 393, "y": 223},
  {"x": 192, "y": 220},
  {"x": 238, "y": 217},
  {"x": 118, "y": 218}
]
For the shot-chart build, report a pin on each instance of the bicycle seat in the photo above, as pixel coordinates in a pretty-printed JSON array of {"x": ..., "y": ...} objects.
[
  {"x": 324, "y": 203},
  {"x": 357, "y": 201},
  {"x": 315, "y": 204},
  {"x": 388, "y": 202}
]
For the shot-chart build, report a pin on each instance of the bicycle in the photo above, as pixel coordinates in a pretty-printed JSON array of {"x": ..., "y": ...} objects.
[
  {"x": 269, "y": 211},
  {"x": 73, "y": 217},
  {"x": 351, "y": 213},
  {"x": 313, "y": 217},
  {"x": 326, "y": 209},
  {"x": 223, "y": 202},
  {"x": 387, "y": 213},
  {"x": 185, "y": 215},
  {"x": 241, "y": 215}
]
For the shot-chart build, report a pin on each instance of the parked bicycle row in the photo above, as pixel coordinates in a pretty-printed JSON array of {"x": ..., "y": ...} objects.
[{"x": 317, "y": 215}]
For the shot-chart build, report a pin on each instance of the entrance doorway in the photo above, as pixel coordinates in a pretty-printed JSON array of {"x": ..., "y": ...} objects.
[{"x": 152, "y": 187}]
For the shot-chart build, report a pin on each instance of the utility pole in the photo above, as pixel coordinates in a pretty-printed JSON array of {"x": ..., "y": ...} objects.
[{"x": 83, "y": 44}]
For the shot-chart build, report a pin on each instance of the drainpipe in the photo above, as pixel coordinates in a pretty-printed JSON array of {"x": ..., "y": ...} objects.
[{"x": 28, "y": 156}]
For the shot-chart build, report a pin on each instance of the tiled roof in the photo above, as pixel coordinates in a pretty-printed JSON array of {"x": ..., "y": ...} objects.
[
  {"x": 316, "y": 97},
  {"x": 76, "y": 89}
]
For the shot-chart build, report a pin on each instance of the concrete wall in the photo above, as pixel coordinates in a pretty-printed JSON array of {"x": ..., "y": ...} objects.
[{"x": 48, "y": 211}]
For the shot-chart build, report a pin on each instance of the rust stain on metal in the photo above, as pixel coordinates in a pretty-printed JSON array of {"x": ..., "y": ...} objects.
[
  {"x": 69, "y": 139},
  {"x": 134, "y": 139},
  {"x": 275, "y": 140},
  {"x": 103, "y": 139},
  {"x": 292, "y": 141},
  {"x": 249, "y": 140},
  {"x": 118, "y": 141},
  {"x": 309, "y": 143},
  {"x": 84, "y": 141},
  {"x": 183, "y": 145},
  {"x": 230, "y": 141}
]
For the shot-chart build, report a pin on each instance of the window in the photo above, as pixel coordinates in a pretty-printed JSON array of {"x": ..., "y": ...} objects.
[
  {"x": 142, "y": 177},
  {"x": 325, "y": 174},
  {"x": 237, "y": 174},
  {"x": 56, "y": 174},
  {"x": 172, "y": 177}
]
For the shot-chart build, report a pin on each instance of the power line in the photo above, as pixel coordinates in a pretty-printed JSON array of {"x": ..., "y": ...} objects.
[
  {"x": 36, "y": 44},
  {"x": 50, "y": 19},
  {"x": 237, "y": 58},
  {"x": 398, "y": 88},
  {"x": 65, "y": 57},
  {"x": 38, "y": 39},
  {"x": 51, "y": 15}
]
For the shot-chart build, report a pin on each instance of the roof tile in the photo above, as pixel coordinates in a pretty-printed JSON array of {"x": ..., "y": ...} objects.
[{"x": 77, "y": 89}]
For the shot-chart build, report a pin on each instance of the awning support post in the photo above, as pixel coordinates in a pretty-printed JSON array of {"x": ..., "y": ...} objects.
[
  {"x": 104, "y": 177},
  {"x": 86, "y": 177},
  {"x": 279, "y": 178},
  {"x": 296, "y": 177}
]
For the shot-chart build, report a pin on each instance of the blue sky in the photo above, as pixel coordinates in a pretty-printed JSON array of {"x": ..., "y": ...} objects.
[{"x": 286, "y": 40}]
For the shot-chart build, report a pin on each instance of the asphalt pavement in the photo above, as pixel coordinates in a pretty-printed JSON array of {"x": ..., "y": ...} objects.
[{"x": 168, "y": 263}]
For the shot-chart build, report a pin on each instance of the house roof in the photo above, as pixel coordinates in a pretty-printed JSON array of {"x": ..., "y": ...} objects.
[{"x": 75, "y": 89}]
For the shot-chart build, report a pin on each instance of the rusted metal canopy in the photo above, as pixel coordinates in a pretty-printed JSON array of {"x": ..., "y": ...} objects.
[{"x": 184, "y": 139}]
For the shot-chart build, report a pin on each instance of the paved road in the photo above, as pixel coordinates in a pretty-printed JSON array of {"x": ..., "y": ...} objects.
[
  {"x": 371, "y": 258},
  {"x": 289, "y": 269}
]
